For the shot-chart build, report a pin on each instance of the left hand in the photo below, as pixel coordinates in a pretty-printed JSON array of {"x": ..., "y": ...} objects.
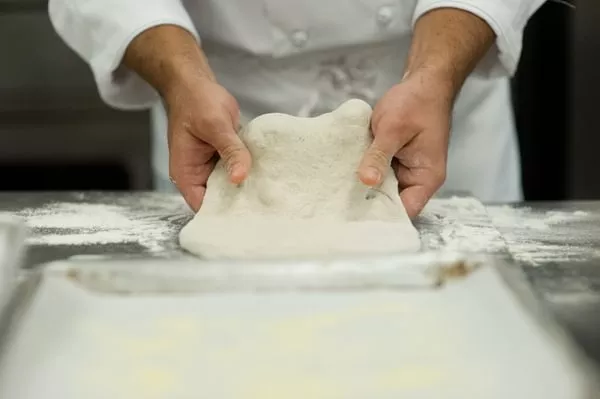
[{"x": 411, "y": 122}]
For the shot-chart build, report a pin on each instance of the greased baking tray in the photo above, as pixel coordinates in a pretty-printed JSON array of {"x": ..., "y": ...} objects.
[{"x": 432, "y": 325}]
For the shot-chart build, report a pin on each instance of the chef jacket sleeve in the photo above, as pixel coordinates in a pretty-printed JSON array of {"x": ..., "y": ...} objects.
[
  {"x": 101, "y": 30},
  {"x": 507, "y": 18}
]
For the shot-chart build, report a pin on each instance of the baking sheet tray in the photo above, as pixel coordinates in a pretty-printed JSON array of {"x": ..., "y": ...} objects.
[{"x": 478, "y": 335}]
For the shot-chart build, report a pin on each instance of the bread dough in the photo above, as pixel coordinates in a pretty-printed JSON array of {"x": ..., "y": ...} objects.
[{"x": 303, "y": 197}]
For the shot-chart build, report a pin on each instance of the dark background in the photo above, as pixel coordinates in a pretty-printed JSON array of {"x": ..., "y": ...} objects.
[
  {"x": 56, "y": 134},
  {"x": 544, "y": 98}
]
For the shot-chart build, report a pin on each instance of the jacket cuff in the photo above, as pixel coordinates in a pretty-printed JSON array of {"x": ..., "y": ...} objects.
[
  {"x": 503, "y": 57},
  {"x": 119, "y": 86}
]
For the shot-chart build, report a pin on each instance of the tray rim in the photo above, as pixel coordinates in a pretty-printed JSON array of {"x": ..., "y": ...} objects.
[{"x": 436, "y": 268}]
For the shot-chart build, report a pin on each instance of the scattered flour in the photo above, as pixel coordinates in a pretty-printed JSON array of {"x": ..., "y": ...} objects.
[
  {"x": 459, "y": 224},
  {"x": 148, "y": 219},
  {"x": 537, "y": 237},
  {"x": 153, "y": 220},
  {"x": 531, "y": 236}
]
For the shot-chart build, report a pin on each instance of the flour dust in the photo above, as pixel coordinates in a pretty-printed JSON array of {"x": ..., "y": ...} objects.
[
  {"x": 153, "y": 221},
  {"x": 149, "y": 220},
  {"x": 531, "y": 236}
]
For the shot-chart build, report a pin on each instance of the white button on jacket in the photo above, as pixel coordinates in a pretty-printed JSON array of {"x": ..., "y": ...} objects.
[
  {"x": 385, "y": 15},
  {"x": 351, "y": 48}
]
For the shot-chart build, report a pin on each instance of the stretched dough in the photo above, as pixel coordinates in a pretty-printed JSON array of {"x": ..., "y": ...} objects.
[{"x": 302, "y": 197}]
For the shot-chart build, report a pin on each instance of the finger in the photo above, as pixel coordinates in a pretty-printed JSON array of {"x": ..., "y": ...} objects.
[
  {"x": 415, "y": 198},
  {"x": 378, "y": 158},
  {"x": 193, "y": 196},
  {"x": 191, "y": 183},
  {"x": 190, "y": 165},
  {"x": 408, "y": 177},
  {"x": 235, "y": 155}
]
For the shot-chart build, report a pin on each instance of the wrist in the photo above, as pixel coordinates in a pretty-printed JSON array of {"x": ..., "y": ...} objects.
[
  {"x": 183, "y": 74},
  {"x": 446, "y": 47},
  {"x": 436, "y": 82},
  {"x": 168, "y": 57}
]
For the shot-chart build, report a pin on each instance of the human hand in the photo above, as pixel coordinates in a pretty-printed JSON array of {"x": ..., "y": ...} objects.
[
  {"x": 411, "y": 125},
  {"x": 203, "y": 116},
  {"x": 203, "y": 120}
]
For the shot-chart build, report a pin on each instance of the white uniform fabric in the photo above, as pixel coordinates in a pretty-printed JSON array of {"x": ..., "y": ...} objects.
[{"x": 307, "y": 57}]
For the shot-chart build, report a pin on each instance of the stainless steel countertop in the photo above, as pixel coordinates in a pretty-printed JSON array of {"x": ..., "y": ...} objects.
[{"x": 570, "y": 288}]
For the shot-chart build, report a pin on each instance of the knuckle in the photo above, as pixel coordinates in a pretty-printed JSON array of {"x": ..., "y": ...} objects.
[
  {"x": 395, "y": 123},
  {"x": 173, "y": 171},
  {"x": 212, "y": 122},
  {"x": 176, "y": 180},
  {"x": 439, "y": 176},
  {"x": 379, "y": 157},
  {"x": 232, "y": 105},
  {"x": 231, "y": 151}
]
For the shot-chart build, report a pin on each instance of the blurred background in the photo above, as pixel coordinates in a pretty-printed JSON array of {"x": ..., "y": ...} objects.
[{"x": 56, "y": 134}]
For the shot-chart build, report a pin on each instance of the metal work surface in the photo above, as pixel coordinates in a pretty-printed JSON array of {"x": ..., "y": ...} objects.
[
  {"x": 178, "y": 328},
  {"x": 558, "y": 245}
]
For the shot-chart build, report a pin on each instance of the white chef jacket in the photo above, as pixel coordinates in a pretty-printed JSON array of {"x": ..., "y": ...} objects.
[{"x": 307, "y": 57}]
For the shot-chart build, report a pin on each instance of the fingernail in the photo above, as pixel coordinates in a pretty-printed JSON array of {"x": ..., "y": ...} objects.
[
  {"x": 236, "y": 172},
  {"x": 373, "y": 175}
]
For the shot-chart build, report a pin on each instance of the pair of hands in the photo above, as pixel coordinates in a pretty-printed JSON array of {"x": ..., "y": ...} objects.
[{"x": 410, "y": 124}]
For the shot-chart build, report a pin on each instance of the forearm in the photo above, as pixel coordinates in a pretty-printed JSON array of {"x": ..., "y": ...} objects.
[
  {"x": 447, "y": 45},
  {"x": 167, "y": 56}
]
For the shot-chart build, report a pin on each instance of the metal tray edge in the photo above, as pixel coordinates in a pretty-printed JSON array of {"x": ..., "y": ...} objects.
[{"x": 517, "y": 281}]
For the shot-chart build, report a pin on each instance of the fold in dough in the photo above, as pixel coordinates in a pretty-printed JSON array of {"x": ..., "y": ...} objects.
[{"x": 302, "y": 197}]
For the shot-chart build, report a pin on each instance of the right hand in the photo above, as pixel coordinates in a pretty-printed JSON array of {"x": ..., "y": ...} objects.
[{"x": 203, "y": 121}]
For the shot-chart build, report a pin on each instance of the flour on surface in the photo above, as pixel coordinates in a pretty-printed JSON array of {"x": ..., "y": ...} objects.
[
  {"x": 532, "y": 237},
  {"x": 459, "y": 224},
  {"x": 537, "y": 237},
  {"x": 153, "y": 220},
  {"x": 148, "y": 219}
]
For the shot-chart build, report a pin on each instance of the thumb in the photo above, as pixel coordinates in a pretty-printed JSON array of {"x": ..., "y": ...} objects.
[
  {"x": 234, "y": 153},
  {"x": 377, "y": 160}
]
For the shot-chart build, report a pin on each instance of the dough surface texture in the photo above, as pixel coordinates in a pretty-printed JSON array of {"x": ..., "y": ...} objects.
[{"x": 303, "y": 197}]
